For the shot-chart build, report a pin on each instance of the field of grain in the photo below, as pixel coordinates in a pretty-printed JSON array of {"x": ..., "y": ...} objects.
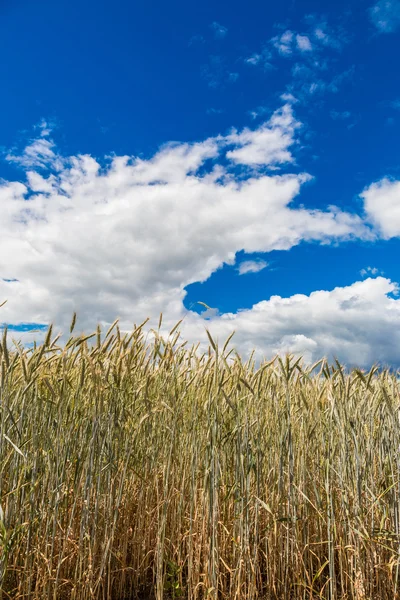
[{"x": 141, "y": 469}]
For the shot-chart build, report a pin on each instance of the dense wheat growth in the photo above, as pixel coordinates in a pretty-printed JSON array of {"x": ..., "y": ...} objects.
[{"x": 140, "y": 469}]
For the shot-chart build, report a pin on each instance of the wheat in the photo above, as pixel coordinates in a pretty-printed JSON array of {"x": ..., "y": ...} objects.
[{"x": 136, "y": 469}]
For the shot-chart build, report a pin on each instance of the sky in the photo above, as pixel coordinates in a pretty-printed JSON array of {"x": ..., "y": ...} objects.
[{"x": 160, "y": 157}]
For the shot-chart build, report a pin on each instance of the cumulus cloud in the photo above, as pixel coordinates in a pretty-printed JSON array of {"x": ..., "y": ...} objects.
[
  {"x": 269, "y": 144},
  {"x": 385, "y": 15},
  {"x": 382, "y": 205},
  {"x": 251, "y": 266},
  {"x": 359, "y": 324},
  {"x": 124, "y": 238}
]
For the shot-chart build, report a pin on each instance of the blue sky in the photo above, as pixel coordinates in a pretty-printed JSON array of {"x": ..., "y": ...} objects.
[{"x": 262, "y": 92}]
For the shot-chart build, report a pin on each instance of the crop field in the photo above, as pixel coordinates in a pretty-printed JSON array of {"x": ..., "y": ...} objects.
[{"x": 133, "y": 467}]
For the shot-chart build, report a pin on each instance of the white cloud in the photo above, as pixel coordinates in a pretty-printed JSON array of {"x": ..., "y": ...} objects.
[
  {"x": 360, "y": 324},
  {"x": 262, "y": 59},
  {"x": 326, "y": 35},
  {"x": 315, "y": 39},
  {"x": 284, "y": 42},
  {"x": 303, "y": 43},
  {"x": 314, "y": 70},
  {"x": 385, "y": 15},
  {"x": 40, "y": 151},
  {"x": 382, "y": 205},
  {"x": 267, "y": 145},
  {"x": 254, "y": 59},
  {"x": 126, "y": 238},
  {"x": 251, "y": 266},
  {"x": 370, "y": 271},
  {"x": 320, "y": 34}
]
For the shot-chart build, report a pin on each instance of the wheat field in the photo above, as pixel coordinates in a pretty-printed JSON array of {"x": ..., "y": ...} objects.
[{"x": 142, "y": 469}]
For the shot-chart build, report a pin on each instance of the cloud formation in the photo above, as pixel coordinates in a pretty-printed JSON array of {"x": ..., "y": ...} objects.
[
  {"x": 359, "y": 324},
  {"x": 40, "y": 151},
  {"x": 124, "y": 238},
  {"x": 382, "y": 205},
  {"x": 269, "y": 144},
  {"x": 288, "y": 42}
]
